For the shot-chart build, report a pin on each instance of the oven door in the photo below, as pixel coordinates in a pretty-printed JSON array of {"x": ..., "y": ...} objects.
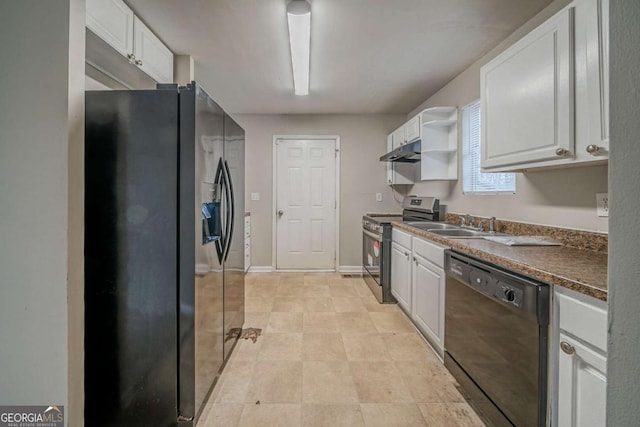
[{"x": 372, "y": 255}]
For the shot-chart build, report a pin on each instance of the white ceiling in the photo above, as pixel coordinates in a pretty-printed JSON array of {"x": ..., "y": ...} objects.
[{"x": 367, "y": 56}]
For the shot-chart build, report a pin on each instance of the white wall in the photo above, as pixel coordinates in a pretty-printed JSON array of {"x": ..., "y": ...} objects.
[
  {"x": 363, "y": 140},
  {"x": 41, "y": 190},
  {"x": 623, "y": 382},
  {"x": 563, "y": 197}
]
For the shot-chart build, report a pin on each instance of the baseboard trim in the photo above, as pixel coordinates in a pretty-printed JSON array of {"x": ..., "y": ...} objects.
[
  {"x": 260, "y": 269},
  {"x": 350, "y": 269},
  {"x": 343, "y": 269},
  {"x": 202, "y": 269}
]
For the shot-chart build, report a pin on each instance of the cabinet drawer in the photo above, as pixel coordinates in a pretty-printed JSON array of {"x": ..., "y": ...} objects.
[
  {"x": 582, "y": 319},
  {"x": 432, "y": 252},
  {"x": 401, "y": 238}
]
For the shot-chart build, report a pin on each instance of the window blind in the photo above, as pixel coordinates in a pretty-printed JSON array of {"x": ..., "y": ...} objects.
[{"x": 473, "y": 180}]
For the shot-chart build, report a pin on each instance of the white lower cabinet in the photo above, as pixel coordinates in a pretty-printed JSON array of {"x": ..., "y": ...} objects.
[
  {"x": 579, "y": 360},
  {"x": 418, "y": 283},
  {"x": 582, "y": 385},
  {"x": 428, "y": 283},
  {"x": 401, "y": 275}
]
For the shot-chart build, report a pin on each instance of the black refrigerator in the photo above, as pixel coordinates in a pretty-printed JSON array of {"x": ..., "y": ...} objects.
[{"x": 164, "y": 253}]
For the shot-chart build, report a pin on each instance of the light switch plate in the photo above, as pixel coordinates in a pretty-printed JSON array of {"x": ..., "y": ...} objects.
[
  {"x": 255, "y": 196},
  {"x": 602, "y": 204},
  {"x": 378, "y": 197}
]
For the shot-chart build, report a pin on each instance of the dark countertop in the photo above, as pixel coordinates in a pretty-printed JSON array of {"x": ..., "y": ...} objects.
[{"x": 581, "y": 270}]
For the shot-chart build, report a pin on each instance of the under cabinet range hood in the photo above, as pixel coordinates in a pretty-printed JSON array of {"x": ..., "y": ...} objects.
[{"x": 407, "y": 153}]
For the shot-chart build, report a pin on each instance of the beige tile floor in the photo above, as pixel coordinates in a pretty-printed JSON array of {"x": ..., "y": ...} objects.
[{"x": 330, "y": 355}]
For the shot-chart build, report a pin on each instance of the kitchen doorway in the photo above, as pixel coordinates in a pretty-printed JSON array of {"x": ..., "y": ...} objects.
[{"x": 306, "y": 188}]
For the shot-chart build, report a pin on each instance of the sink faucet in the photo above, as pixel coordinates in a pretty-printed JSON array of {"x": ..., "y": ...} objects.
[{"x": 468, "y": 221}]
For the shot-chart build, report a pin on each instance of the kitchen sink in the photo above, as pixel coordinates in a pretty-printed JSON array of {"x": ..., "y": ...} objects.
[
  {"x": 460, "y": 233},
  {"x": 421, "y": 225}
]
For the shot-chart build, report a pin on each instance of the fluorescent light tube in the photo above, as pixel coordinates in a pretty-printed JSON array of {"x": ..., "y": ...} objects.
[{"x": 299, "y": 20}]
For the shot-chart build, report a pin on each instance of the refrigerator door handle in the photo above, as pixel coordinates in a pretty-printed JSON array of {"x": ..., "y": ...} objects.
[
  {"x": 231, "y": 209},
  {"x": 221, "y": 243}
]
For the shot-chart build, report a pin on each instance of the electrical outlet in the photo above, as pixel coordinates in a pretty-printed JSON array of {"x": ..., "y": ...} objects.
[
  {"x": 602, "y": 204},
  {"x": 378, "y": 197},
  {"x": 255, "y": 196}
]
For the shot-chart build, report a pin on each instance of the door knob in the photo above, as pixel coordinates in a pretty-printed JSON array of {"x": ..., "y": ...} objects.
[{"x": 280, "y": 213}]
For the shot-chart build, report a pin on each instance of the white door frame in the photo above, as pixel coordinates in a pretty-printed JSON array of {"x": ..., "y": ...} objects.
[{"x": 274, "y": 202}]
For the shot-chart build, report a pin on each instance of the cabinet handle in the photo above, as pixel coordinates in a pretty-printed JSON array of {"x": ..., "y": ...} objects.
[
  {"x": 138, "y": 62},
  {"x": 592, "y": 149},
  {"x": 406, "y": 254},
  {"x": 131, "y": 57},
  {"x": 567, "y": 348},
  {"x": 561, "y": 152}
]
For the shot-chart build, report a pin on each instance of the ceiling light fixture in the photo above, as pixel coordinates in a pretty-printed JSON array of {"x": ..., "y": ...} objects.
[{"x": 299, "y": 20}]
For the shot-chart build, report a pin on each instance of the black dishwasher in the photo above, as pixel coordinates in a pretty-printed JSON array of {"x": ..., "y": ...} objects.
[{"x": 496, "y": 339}]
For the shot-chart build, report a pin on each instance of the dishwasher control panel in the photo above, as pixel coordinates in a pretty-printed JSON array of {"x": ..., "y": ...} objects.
[{"x": 516, "y": 292}]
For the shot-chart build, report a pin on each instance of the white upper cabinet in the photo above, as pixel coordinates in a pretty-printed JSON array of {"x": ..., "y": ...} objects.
[
  {"x": 437, "y": 129},
  {"x": 592, "y": 79},
  {"x": 412, "y": 129},
  {"x": 152, "y": 56},
  {"x": 545, "y": 100},
  {"x": 399, "y": 173},
  {"x": 439, "y": 148},
  {"x": 115, "y": 23},
  {"x": 398, "y": 137},
  {"x": 527, "y": 97},
  {"x": 112, "y": 21}
]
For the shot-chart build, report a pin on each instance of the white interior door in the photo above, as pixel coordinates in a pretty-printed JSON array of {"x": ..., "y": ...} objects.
[{"x": 305, "y": 204}]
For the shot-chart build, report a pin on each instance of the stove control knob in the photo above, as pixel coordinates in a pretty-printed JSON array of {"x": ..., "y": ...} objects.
[{"x": 509, "y": 295}]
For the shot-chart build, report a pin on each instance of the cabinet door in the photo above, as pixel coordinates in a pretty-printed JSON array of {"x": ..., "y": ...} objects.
[
  {"x": 389, "y": 164},
  {"x": 527, "y": 97},
  {"x": 582, "y": 385},
  {"x": 112, "y": 21},
  {"x": 592, "y": 65},
  {"x": 401, "y": 275},
  {"x": 398, "y": 137},
  {"x": 412, "y": 129},
  {"x": 428, "y": 282},
  {"x": 152, "y": 56}
]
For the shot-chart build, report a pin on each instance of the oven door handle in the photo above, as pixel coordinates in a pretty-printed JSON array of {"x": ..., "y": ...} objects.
[{"x": 374, "y": 236}]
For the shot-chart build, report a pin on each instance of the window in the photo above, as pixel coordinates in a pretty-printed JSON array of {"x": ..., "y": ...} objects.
[{"x": 473, "y": 180}]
